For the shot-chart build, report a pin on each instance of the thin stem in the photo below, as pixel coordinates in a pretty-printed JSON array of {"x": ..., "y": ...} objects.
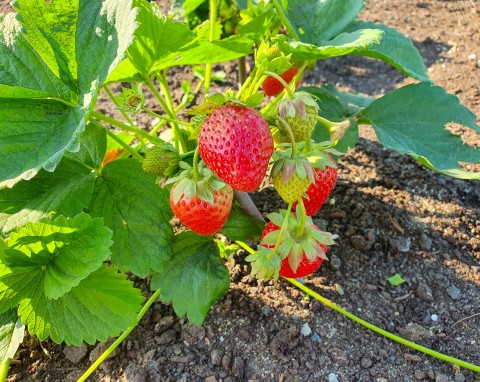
[
  {"x": 196, "y": 174},
  {"x": 242, "y": 70},
  {"x": 325, "y": 122},
  {"x": 282, "y": 81},
  {"x": 245, "y": 246},
  {"x": 112, "y": 135},
  {"x": 256, "y": 85},
  {"x": 286, "y": 22},
  {"x": 120, "y": 339},
  {"x": 213, "y": 21},
  {"x": 290, "y": 135},
  {"x": 112, "y": 98},
  {"x": 123, "y": 126},
  {"x": 303, "y": 220},
  {"x": 4, "y": 370},
  {"x": 383, "y": 332},
  {"x": 153, "y": 114},
  {"x": 282, "y": 232},
  {"x": 247, "y": 83}
]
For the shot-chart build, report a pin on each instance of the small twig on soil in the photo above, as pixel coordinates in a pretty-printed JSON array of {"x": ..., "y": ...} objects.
[
  {"x": 403, "y": 297},
  {"x": 465, "y": 318},
  {"x": 247, "y": 204}
]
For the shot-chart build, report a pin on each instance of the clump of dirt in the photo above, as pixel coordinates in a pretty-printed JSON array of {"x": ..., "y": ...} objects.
[{"x": 391, "y": 216}]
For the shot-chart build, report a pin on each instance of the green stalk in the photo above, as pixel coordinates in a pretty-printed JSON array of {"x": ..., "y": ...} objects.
[
  {"x": 370, "y": 326},
  {"x": 112, "y": 135},
  {"x": 290, "y": 135},
  {"x": 303, "y": 220},
  {"x": 286, "y": 22},
  {"x": 196, "y": 174},
  {"x": 123, "y": 126},
  {"x": 282, "y": 232},
  {"x": 213, "y": 21},
  {"x": 282, "y": 81},
  {"x": 4, "y": 370},
  {"x": 178, "y": 137},
  {"x": 120, "y": 339},
  {"x": 153, "y": 114},
  {"x": 112, "y": 98},
  {"x": 246, "y": 84},
  {"x": 242, "y": 71},
  {"x": 325, "y": 122},
  {"x": 382, "y": 332}
]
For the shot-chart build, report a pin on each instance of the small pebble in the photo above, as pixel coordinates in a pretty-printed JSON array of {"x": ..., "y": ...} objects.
[
  {"x": 404, "y": 244},
  {"x": 425, "y": 242},
  {"x": 419, "y": 375},
  {"x": 424, "y": 292},
  {"x": 434, "y": 317},
  {"x": 339, "y": 289},
  {"x": 316, "y": 338},
  {"x": 332, "y": 377},
  {"x": 442, "y": 378},
  {"x": 306, "y": 330},
  {"x": 453, "y": 292},
  {"x": 460, "y": 378},
  {"x": 366, "y": 363},
  {"x": 335, "y": 263}
]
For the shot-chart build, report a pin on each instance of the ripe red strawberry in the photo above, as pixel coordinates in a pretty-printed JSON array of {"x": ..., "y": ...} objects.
[
  {"x": 319, "y": 191},
  {"x": 236, "y": 144},
  {"x": 272, "y": 87},
  {"x": 201, "y": 216},
  {"x": 305, "y": 267}
]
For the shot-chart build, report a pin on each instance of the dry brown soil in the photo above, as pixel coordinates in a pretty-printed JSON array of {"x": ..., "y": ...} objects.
[{"x": 391, "y": 216}]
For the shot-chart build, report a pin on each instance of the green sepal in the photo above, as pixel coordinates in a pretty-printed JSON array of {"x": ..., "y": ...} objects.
[
  {"x": 270, "y": 58},
  {"x": 131, "y": 99},
  {"x": 255, "y": 100},
  {"x": 264, "y": 266}
]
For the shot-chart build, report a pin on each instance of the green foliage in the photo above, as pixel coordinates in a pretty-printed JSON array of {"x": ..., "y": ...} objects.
[
  {"x": 194, "y": 278},
  {"x": 138, "y": 213},
  {"x": 11, "y": 334},
  {"x": 241, "y": 226},
  {"x": 396, "y": 280},
  {"x": 412, "y": 120}
]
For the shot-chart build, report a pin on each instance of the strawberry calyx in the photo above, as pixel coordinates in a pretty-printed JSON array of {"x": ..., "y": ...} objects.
[
  {"x": 191, "y": 183},
  {"x": 296, "y": 105}
]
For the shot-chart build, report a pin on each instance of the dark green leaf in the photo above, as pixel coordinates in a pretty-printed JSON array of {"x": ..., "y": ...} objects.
[
  {"x": 59, "y": 254},
  {"x": 241, "y": 226},
  {"x": 93, "y": 145},
  {"x": 320, "y": 20},
  {"x": 138, "y": 212},
  {"x": 66, "y": 191},
  {"x": 11, "y": 335},
  {"x": 394, "y": 48},
  {"x": 412, "y": 120},
  {"x": 194, "y": 278},
  {"x": 101, "y": 306}
]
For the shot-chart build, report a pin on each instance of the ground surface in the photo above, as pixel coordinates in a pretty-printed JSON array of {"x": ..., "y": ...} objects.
[{"x": 391, "y": 216}]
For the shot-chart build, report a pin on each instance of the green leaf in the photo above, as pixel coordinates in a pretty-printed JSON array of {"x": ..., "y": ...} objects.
[
  {"x": 66, "y": 191},
  {"x": 412, "y": 120},
  {"x": 256, "y": 27},
  {"x": 62, "y": 51},
  {"x": 93, "y": 146},
  {"x": 394, "y": 48},
  {"x": 194, "y": 278},
  {"x": 59, "y": 254},
  {"x": 319, "y": 20},
  {"x": 341, "y": 45},
  {"x": 37, "y": 138},
  {"x": 138, "y": 212},
  {"x": 103, "y": 305},
  {"x": 241, "y": 226},
  {"x": 396, "y": 280},
  {"x": 11, "y": 335},
  {"x": 156, "y": 37}
]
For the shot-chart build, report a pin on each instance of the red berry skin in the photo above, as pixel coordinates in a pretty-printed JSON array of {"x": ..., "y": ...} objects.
[
  {"x": 200, "y": 216},
  {"x": 305, "y": 268},
  {"x": 272, "y": 87},
  {"x": 319, "y": 191},
  {"x": 236, "y": 144}
]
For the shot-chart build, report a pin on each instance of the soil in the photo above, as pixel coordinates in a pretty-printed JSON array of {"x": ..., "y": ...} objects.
[{"x": 391, "y": 216}]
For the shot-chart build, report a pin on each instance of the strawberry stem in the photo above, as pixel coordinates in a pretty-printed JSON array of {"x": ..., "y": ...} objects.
[
  {"x": 282, "y": 232},
  {"x": 196, "y": 174},
  {"x": 153, "y": 114},
  {"x": 112, "y": 135},
  {"x": 282, "y": 81},
  {"x": 4, "y": 370},
  {"x": 290, "y": 135},
  {"x": 281, "y": 14},
  {"x": 303, "y": 219},
  {"x": 326, "y": 123},
  {"x": 213, "y": 21}
]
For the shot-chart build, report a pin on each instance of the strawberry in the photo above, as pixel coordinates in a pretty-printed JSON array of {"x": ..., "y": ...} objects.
[
  {"x": 161, "y": 160},
  {"x": 203, "y": 205},
  {"x": 301, "y": 115},
  {"x": 291, "y": 177},
  {"x": 305, "y": 267},
  {"x": 300, "y": 250},
  {"x": 319, "y": 191},
  {"x": 272, "y": 87},
  {"x": 236, "y": 144}
]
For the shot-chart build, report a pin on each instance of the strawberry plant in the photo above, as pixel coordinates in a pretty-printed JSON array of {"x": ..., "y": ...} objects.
[{"x": 87, "y": 199}]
